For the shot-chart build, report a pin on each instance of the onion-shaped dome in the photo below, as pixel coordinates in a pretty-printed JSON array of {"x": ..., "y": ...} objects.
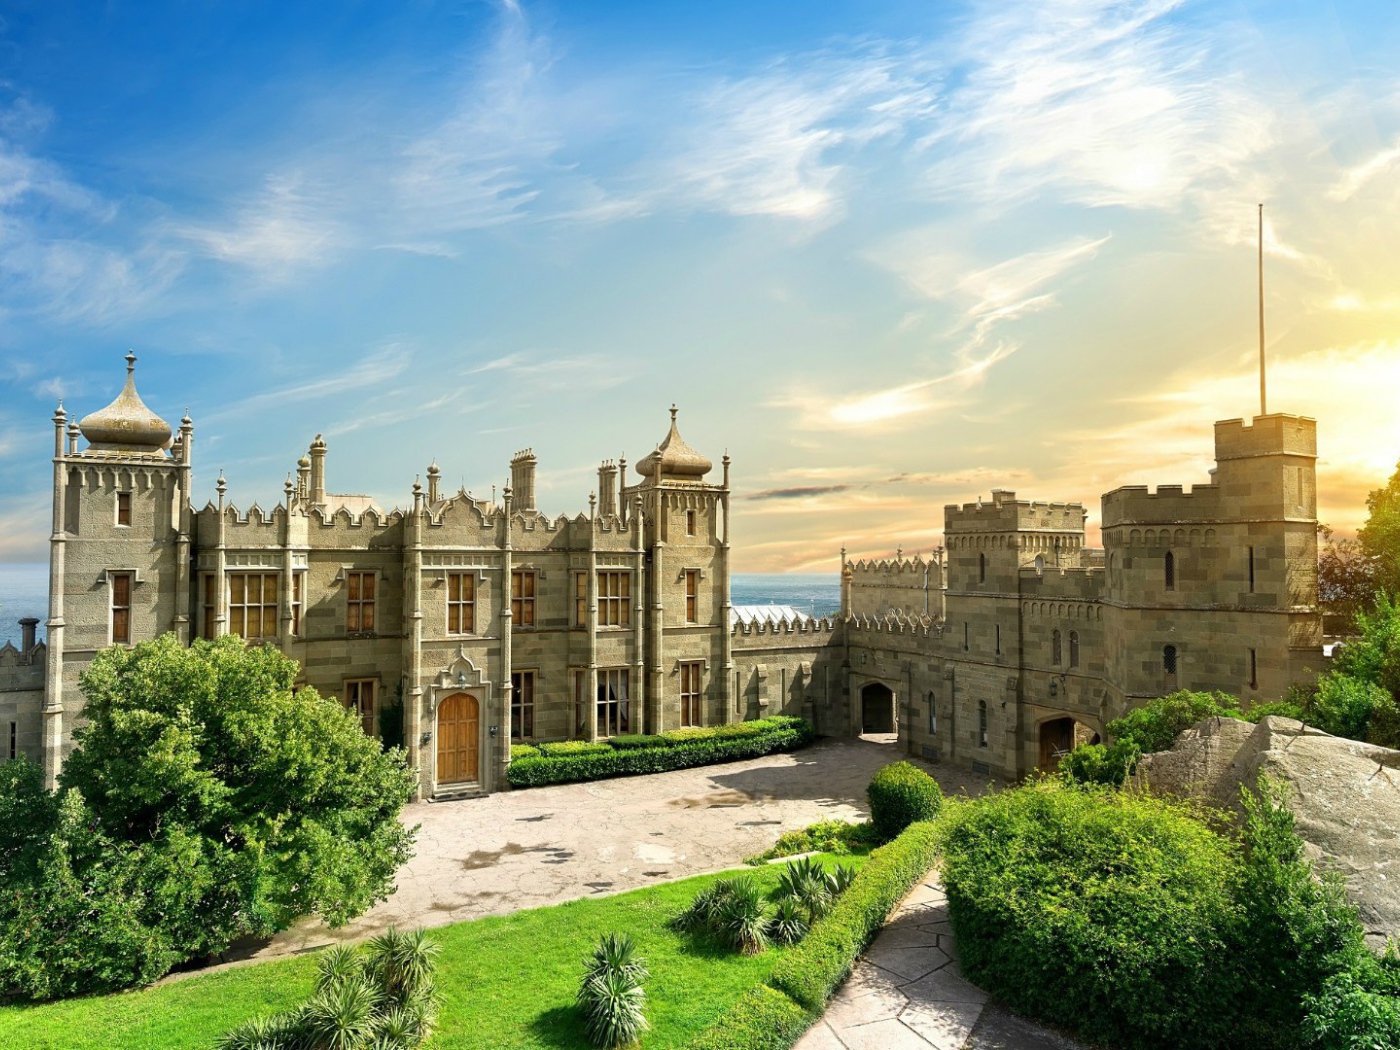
[
  {"x": 673, "y": 458},
  {"x": 126, "y": 425}
]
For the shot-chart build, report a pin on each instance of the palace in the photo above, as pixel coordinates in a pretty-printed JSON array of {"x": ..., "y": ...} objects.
[{"x": 459, "y": 625}]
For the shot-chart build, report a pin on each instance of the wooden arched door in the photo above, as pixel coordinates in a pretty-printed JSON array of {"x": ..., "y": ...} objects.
[{"x": 458, "y": 739}]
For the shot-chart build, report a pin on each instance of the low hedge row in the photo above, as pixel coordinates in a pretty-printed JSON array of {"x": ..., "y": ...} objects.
[
  {"x": 762, "y": 1019},
  {"x": 774, "y": 1016},
  {"x": 698, "y": 747},
  {"x": 811, "y": 971}
]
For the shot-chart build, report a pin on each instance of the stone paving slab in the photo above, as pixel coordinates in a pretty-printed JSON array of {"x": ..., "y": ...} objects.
[{"x": 907, "y": 993}]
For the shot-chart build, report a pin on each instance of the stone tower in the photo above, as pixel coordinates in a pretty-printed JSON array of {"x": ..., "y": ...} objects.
[{"x": 119, "y": 549}]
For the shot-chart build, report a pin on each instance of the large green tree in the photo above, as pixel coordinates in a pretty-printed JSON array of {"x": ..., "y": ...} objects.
[
  {"x": 1380, "y": 536},
  {"x": 206, "y": 799}
]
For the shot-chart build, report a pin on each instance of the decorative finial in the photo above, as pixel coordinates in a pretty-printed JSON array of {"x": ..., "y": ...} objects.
[
  {"x": 130, "y": 361},
  {"x": 221, "y": 485},
  {"x": 417, "y": 485},
  {"x": 287, "y": 487},
  {"x": 185, "y": 420},
  {"x": 673, "y": 412}
]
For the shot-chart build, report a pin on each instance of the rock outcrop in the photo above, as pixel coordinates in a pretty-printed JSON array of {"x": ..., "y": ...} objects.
[{"x": 1345, "y": 795}]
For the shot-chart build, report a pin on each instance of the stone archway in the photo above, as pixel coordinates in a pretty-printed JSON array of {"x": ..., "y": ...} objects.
[{"x": 877, "y": 709}]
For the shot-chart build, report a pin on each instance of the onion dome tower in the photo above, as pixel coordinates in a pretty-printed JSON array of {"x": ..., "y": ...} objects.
[{"x": 126, "y": 427}]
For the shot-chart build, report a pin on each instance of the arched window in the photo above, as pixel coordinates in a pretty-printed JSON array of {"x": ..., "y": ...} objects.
[
  {"x": 981, "y": 568},
  {"x": 932, "y": 713},
  {"x": 1169, "y": 571},
  {"x": 1074, "y": 648},
  {"x": 1056, "y": 649},
  {"x": 1169, "y": 659},
  {"x": 1039, "y": 564},
  {"x": 981, "y": 723}
]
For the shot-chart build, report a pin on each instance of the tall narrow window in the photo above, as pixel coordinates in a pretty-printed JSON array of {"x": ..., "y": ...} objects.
[
  {"x": 1254, "y": 669},
  {"x": 123, "y": 508},
  {"x": 998, "y": 639},
  {"x": 1169, "y": 571},
  {"x": 967, "y": 637},
  {"x": 359, "y": 604},
  {"x": 932, "y": 713},
  {"x": 580, "y": 599},
  {"x": 981, "y": 723},
  {"x": 1074, "y": 648},
  {"x": 359, "y": 699},
  {"x": 211, "y": 604},
  {"x": 522, "y": 597},
  {"x": 121, "y": 608},
  {"x": 252, "y": 605},
  {"x": 1251, "y": 570},
  {"x": 614, "y": 704},
  {"x": 1057, "y": 652},
  {"x": 692, "y": 595},
  {"x": 691, "y": 714},
  {"x": 614, "y": 599},
  {"x": 14, "y": 739},
  {"x": 1169, "y": 659},
  {"x": 522, "y": 705},
  {"x": 981, "y": 568},
  {"x": 461, "y": 603},
  {"x": 298, "y": 600},
  {"x": 690, "y": 523}
]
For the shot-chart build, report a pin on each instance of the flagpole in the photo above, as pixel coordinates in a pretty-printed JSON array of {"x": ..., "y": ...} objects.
[{"x": 1263, "y": 395}]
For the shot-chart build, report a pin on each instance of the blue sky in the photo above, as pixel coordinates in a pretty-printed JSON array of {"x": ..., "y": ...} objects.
[{"x": 889, "y": 256}]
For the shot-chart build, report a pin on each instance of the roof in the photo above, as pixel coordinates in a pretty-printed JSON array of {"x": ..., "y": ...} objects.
[{"x": 748, "y": 614}]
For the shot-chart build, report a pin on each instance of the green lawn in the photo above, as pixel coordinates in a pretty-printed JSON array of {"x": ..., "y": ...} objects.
[{"x": 507, "y": 983}]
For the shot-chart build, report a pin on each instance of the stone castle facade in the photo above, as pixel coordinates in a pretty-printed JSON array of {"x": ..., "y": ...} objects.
[{"x": 460, "y": 625}]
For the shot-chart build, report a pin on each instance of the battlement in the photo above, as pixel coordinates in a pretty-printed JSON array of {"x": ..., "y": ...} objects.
[
  {"x": 13, "y": 657},
  {"x": 896, "y": 566},
  {"x": 915, "y": 626},
  {"x": 1005, "y": 513},
  {"x": 807, "y": 626},
  {"x": 1276, "y": 434},
  {"x": 1134, "y": 504}
]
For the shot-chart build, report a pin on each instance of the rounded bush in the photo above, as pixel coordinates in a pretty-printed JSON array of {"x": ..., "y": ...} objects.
[
  {"x": 899, "y": 795},
  {"x": 1109, "y": 913}
]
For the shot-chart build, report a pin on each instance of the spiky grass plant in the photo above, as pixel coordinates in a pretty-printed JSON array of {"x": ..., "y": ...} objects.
[
  {"x": 840, "y": 878},
  {"x": 342, "y": 1016},
  {"x": 261, "y": 1033},
  {"x": 744, "y": 918},
  {"x": 788, "y": 924},
  {"x": 402, "y": 961},
  {"x": 700, "y": 916},
  {"x": 338, "y": 964},
  {"x": 610, "y": 995},
  {"x": 805, "y": 881}
]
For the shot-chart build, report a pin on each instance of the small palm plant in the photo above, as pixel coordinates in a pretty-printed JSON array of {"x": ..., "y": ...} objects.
[
  {"x": 840, "y": 878},
  {"x": 789, "y": 922},
  {"x": 703, "y": 912},
  {"x": 341, "y": 1016},
  {"x": 744, "y": 917},
  {"x": 611, "y": 995},
  {"x": 805, "y": 881}
]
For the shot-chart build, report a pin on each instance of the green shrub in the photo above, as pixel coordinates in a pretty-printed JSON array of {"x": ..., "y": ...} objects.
[
  {"x": 381, "y": 997},
  {"x": 569, "y": 748},
  {"x": 840, "y": 837},
  {"x": 807, "y": 883},
  {"x": 1352, "y": 1013},
  {"x": 1343, "y": 705},
  {"x": 611, "y": 996},
  {"x": 1098, "y": 764},
  {"x": 812, "y": 970},
  {"x": 899, "y": 795},
  {"x": 631, "y": 741},
  {"x": 1156, "y": 725},
  {"x": 1105, "y": 912},
  {"x": 743, "y": 916},
  {"x": 519, "y": 751},
  {"x": 763, "y": 1019},
  {"x": 596, "y": 761}
]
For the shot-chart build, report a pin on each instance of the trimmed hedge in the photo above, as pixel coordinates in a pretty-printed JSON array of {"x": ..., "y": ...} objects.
[
  {"x": 811, "y": 971},
  {"x": 631, "y": 741},
  {"x": 519, "y": 751},
  {"x": 763, "y": 1019},
  {"x": 899, "y": 795},
  {"x": 567, "y": 762}
]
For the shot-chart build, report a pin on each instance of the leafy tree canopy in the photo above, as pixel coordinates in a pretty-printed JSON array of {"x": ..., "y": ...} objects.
[{"x": 1380, "y": 536}]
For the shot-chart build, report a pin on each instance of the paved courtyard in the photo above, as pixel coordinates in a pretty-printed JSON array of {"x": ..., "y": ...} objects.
[{"x": 525, "y": 849}]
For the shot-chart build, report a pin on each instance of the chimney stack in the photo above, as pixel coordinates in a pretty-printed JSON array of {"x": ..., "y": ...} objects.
[
  {"x": 607, "y": 489},
  {"x": 522, "y": 479},
  {"x": 318, "y": 472},
  {"x": 26, "y": 627}
]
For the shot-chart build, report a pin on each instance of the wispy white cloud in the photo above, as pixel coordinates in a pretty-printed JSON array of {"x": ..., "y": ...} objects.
[
  {"x": 284, "y": 226},
  {"x": 1353, "y": 179},
  {"x": 370, "y": 372}
]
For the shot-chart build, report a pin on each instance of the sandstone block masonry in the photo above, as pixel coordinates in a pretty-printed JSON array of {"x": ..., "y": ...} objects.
[{"x": 458, "y": 625}]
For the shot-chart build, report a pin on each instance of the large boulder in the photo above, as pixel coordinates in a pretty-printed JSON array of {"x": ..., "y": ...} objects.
[{"x": 1345, "y": 795}]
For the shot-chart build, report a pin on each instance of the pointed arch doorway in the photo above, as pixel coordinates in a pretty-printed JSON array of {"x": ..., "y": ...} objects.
[{"x": 458, "y": 739}]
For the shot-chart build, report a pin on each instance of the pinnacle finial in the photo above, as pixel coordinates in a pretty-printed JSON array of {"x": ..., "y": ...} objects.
[
  {"x": 130, "y": 361},
  {"x": 673, "y": 411}
]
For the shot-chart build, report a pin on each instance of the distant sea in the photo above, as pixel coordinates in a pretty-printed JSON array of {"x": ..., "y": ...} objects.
[
  {"x": 818, "y": 593},
  {"x": 24, "y": 591}
]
